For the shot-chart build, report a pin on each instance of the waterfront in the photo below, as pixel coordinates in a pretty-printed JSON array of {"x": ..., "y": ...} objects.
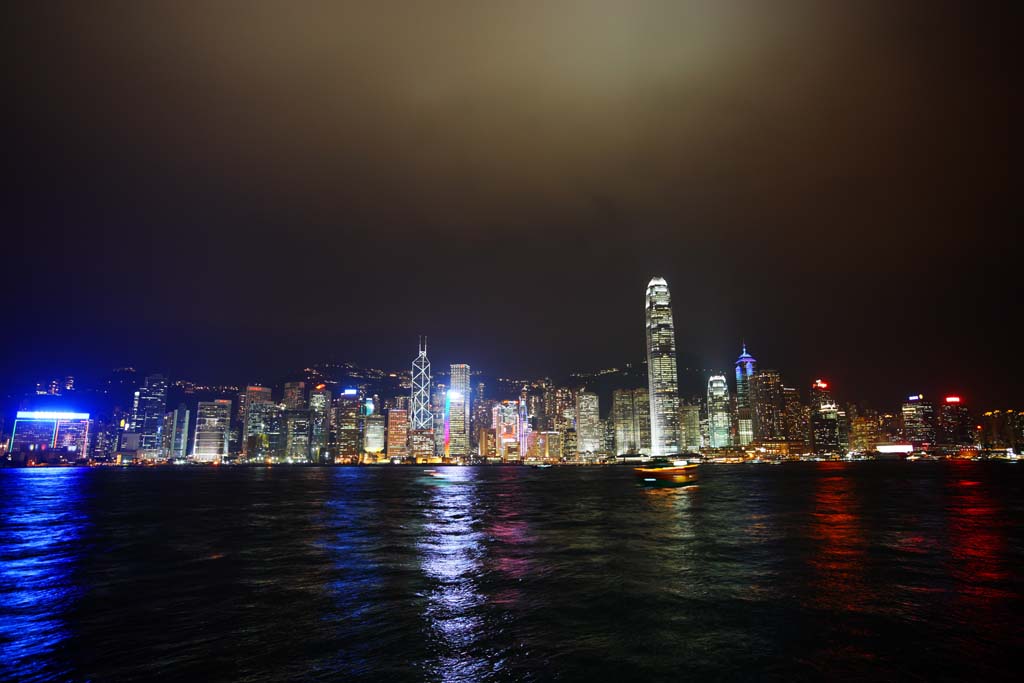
[{"x": 889, "y": 570}]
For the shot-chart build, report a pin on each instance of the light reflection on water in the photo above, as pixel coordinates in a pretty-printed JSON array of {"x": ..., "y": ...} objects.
[
  {"x": 41, "y": 520},
  {"x": 452, "y": 556}
]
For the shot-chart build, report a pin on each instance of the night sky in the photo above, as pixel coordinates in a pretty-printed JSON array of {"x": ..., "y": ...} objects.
[{"x": 228, "y": 191}]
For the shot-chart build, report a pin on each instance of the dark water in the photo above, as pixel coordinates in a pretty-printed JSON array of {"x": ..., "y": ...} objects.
[{"x": 889, "y": 571}]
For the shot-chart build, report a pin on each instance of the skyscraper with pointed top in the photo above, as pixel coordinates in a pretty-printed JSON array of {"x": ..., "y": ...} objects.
[
  {"x": 662, "y": 378},
  {"x": 421, "y": 417},
  {"x": 746, "y": 366}
]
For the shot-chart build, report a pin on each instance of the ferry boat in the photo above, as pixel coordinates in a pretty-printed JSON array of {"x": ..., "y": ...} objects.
[{"x": 664, "y": 470}]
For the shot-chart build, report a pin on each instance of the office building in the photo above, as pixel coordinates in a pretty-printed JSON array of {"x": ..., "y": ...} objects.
[
  {"x": 213, "y": 428},
  {"x": 662, "y": 377},
  {"x": 719, "y": 418}
]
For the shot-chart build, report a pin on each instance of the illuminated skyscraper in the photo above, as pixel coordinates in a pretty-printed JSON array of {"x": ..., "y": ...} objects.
[
  {"x": 213, "y": 426},
  {"x": 374, "y": 434},
  {"x": 320, "y": 423},
  {"x": 506, "y": 427},
  {"x": 918, "y": 417},
  {"x": 252, "y": 394},
  {"x": 631, "y": 415},
  {"x": 953, "y": 424},
  {"x": 148, "y": 419},
  {"x": 421, "y": 418},
  {"x": 825, "y": 419},
  {"x": 460, "y": 385},
  {"x": 746, "y": 366},
  {"x": 719, "y": 422},
  {"x": 588, "y": 423},
  {"x": 662, "y": 378},
  {"x": 689, "y": 425},
  {"x": 398, "y": 433},
  {"x": 295, "y": 395},
  {"x": 766, "y": 397},
  {"x": 456, "y": 434},
  {"x": 175, "y": 433}
]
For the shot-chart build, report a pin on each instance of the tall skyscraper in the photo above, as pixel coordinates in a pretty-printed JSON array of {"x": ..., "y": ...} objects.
[
  {"x": 251, "y": 394},
  {"x": 825, "y": 419},
  {"x": 175, "y": 433},
  {"x": 506, "y": 427},
  {"x": 746, "y": 366},
  {"x": 719, "y": 422},
  {"x": 918, "y": 416},
  {"x": 295, "y": 396},
  {"x": 421, "y": 417},
  {"x": 631, "y": 416},
  {"x": 398, "y": 433},
  {"x": 662, "y": 377},
  {"x": 588, "y": 423},
  {"x": 953, "y": 424},
  {"x": 149, "y": 415},
  {"x": 769, "y": 406},
  {"x": 689, "y": 423},
  {"x": 374, "y": 434},
  {"x": 319, "y": 423},
  {"x": 456, "y": 428},
  {"x": 213, "y": 427}
]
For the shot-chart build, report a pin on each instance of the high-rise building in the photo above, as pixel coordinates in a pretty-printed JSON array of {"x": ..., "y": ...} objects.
[
  {"x": 662, "y": 377},
  {"x": 769, "y": 406},
  {"x": 294, "y": 396},
  {"x": 456, "y": 440},
  {"x": 421, "y": 417},
  {"x": 689, "y": 423},
  {"x": 148, "y": 419},
  {"x": 175, "y": 433},
  {"x": 264, "y": 435},
  {"x": 797, "y": 417},
  {"x": 320, "y": 423},
  {"x": 719, "y": 422},
  {"x": 297, "y": 428},
  {"x": 251, "y": 394},
  {"x": 213, "y": 428},
  {"x": 506, "y": 427},
  {"x": 953, "y": 424},
  {"x": 746, "y": 366},
  {"x": 347, "y": 435},
  {"x": 398, "y": 433},
  {"x": 588, "y": 423},
  {"x": 631, "y": 417},
  {"x": 460, "y": 378},
  {"x": 918, "y": 416},
  {"x": 374, "y": 434}
]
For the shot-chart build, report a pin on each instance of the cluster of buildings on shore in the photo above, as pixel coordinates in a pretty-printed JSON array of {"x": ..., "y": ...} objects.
[{"x": 322, "y": 420}]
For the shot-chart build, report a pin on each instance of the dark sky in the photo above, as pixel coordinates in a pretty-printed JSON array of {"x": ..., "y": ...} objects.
[{"x": 230, "y": 190}]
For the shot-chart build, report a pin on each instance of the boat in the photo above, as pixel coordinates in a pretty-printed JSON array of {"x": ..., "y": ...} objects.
[
  {"x": 667, "y": 471},
  {"x": 541, "y": 466}
]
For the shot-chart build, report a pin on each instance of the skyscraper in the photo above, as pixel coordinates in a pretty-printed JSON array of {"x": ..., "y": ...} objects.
[
  {"x": 213, "y": 426},
  {"x": 918, "y": 416},
  {"x": 719, "y": 422},
  {"x": 768, "y": 401},
  {"x": 175, "y": 433},
  {"x": 662, "y": 378},
  {"x": 320, "y": 423},
  {"x": 294, "y": 395},
  {"x": 456, "y": 436},
  {"x": 746, "y": 366},
  {"x": 689, "y": 423},
  {"x": 588, "y": 423},
  {"x": 398, "y": 433},
  {"x": 953, "y": 423},
  {"x": 421, "y": 418},
  {"x": 252, "y": 394},
  {"x": 631, "y": 416},
  {"x": 148, "y": 419}
]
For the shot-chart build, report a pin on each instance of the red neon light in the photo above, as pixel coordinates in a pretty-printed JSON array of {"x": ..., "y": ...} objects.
[
  {"x": 952, "y": 399},
  {"x": 820, "y": 384}
]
